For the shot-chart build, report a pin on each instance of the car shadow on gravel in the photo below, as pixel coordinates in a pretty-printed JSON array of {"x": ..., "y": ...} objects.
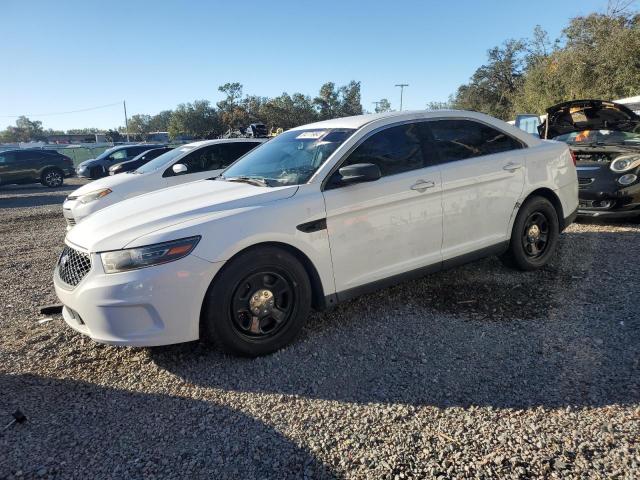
[
  {"x": 476, "y": 335},
  {"x": 68, "y": 435}
]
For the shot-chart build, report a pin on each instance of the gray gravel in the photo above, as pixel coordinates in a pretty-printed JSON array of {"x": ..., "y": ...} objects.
[{"x": 473, "y": 373}]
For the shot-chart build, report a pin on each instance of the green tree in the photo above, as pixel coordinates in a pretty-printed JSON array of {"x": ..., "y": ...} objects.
[
  {"x": 288, "y": 111},
  {"x": 350, "y": 102},
  {"x": 440, "y": 105},
  {"x": 598, "y": 56},
  {"x": 327, "y": 102},
  {"x": 198, "y": 119},
  {"x": 493, "y": 86},
  {"x": 113, "y": 136},
  {"x": 232, "y": 114},
  {"x": 25, "y": 130},
  {"x": 383, "y": 106},
  {"x": 160, "y": 121},
  {"x": 140, "y": 125}
]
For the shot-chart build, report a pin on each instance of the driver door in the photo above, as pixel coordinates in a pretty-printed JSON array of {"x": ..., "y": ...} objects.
[{"x": 390, "y": 226}]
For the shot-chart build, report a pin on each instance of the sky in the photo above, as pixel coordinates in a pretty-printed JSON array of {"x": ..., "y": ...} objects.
[{"x": 70, "y": 55}]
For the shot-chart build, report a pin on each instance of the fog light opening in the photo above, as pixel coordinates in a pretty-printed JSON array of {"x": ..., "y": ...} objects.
[{"x": 627, "y": 179}]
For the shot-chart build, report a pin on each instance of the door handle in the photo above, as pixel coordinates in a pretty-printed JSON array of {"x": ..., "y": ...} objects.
[
  {"x": 423, "y": 185},
  {"x": 512, "y": 166}
]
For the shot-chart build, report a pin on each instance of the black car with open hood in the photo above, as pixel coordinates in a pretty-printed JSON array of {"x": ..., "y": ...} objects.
[{"x": 604, "y": 139}]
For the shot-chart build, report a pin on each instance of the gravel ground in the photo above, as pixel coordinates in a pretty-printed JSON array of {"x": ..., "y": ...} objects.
[{"x": 473, "y": 373}]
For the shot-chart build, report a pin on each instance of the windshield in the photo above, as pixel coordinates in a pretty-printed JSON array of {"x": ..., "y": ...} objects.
[
  {"x": 598, "y": 136},
  {"x": 291, "y": 158},
  {"x": 163, "y": 159}
]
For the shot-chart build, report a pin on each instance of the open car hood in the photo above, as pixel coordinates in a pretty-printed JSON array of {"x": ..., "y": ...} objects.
[{"x": 581, "y": 115}]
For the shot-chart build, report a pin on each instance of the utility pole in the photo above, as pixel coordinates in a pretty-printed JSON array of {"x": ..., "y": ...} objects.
[
  {"x": 376, "y": 104},
  {"x": 401, "y": 85},
  {"x": 126, "y": 120}
]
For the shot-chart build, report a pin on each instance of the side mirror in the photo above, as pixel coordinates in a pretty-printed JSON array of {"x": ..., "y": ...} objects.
[
  {"x": 360, "y": 172},
  {"x": 179, "y": 168}
]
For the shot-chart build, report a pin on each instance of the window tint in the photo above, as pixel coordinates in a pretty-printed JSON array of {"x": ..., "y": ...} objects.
[
  {"x": 460, "y": 139},
  {"x": 394, "y": 150}
]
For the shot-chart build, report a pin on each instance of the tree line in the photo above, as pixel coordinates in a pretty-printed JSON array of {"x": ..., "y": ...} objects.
[
  {"x": 201, "y": 119},
  {"x": 597, "y": 56}
]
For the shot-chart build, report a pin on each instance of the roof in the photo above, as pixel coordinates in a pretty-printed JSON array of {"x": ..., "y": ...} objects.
[{"x": 359, "y": 121}]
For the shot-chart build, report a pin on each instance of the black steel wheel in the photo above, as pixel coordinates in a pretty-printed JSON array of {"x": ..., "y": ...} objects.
[
  {"x": 257, "y": 303},
  {"x": 535, "y": 234},
  {"x": 52, "y": 178},
  {"x": 262, "y": 303}
]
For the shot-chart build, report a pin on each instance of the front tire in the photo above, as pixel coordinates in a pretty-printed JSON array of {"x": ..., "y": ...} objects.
[
  {"x": 534, "y": 237},
  {"x": 52, "y": 178},
  {"x": 258, "y": 303}
]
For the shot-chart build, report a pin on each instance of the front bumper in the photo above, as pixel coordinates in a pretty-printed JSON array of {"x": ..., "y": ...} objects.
[
  {"x": 157, "y": 305},
  {"x": 601, "y": 196}
]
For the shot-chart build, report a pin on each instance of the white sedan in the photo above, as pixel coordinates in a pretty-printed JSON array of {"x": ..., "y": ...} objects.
[
  {"x": 315, "y": 216},
  {"x": 187, "y": 163}
]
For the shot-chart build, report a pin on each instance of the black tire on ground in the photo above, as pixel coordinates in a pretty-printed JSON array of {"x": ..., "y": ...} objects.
[
  {"x": 245, "y": 287},
  {"x": 52, "y": 177},
  {"x": 534, "y": 237}
]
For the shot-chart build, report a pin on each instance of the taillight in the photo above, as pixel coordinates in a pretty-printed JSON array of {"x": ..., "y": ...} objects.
[{"x": 573, "y": 157}]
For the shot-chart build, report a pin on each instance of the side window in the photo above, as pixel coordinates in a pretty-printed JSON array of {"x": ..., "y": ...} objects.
[
  {"x": 461, "y": 139},
  {"x": 395, "y": 150},
  {"x": 203, "y": 159},
  {"x": 238, "y": 149},
  {"x": 118, "y": 155}
]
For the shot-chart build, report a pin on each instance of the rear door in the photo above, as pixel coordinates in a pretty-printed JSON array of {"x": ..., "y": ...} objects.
[
  {"x": 390, "y": 226},
  {"x": 482, "y": 172}
]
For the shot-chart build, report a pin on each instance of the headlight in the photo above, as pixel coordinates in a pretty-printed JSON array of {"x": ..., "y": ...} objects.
[
  {"x": 140, "y": 257},
  {"x": 93, "y": 196},
  {"x": 627, "y": 179},
  {"x": 624, "y": 163}
]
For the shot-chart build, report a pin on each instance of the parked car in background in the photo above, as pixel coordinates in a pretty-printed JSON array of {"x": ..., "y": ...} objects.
[
  {"x": 316, "y": 216},
  {"x": 604, "y": 138},
  {"x": 32, "y": 166},
  {"x": 99, "y": 167},
  {"x": 138, "y": 161},
  {"x": 186, "y": 163}
]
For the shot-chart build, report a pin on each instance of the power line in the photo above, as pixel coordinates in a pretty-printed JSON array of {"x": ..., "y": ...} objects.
[{"x": 62, "y": 113}]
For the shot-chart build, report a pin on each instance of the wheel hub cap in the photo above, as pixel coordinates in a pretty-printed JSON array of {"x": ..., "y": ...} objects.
[
  {"x": 534, "y": 233},
  {"x": 262, "y": 302}
]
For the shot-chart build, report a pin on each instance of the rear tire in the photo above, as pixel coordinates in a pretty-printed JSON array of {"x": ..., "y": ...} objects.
[
  {"x": 258, "y": 303},
  {"x": 52, "y": 178},
  {"x": 534, "y": 237}
]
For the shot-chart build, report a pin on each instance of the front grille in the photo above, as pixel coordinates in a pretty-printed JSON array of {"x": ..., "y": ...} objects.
[{"x": 73, "y": 266}]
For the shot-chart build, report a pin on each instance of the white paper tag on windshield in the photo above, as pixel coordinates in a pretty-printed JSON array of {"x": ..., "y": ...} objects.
[{"x": 311, "y": 135}]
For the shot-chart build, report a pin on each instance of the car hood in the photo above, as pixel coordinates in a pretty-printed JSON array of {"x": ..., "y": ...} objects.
[
  {"x": 89, "y": 163},
  {"x": 117, "y": 226},
  {"x": 581, "y": 115},
  {"x": 107, "y": 182}
]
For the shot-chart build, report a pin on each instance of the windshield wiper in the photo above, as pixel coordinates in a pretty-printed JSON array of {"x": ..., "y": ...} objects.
[{"x": 260, "y": 182}]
